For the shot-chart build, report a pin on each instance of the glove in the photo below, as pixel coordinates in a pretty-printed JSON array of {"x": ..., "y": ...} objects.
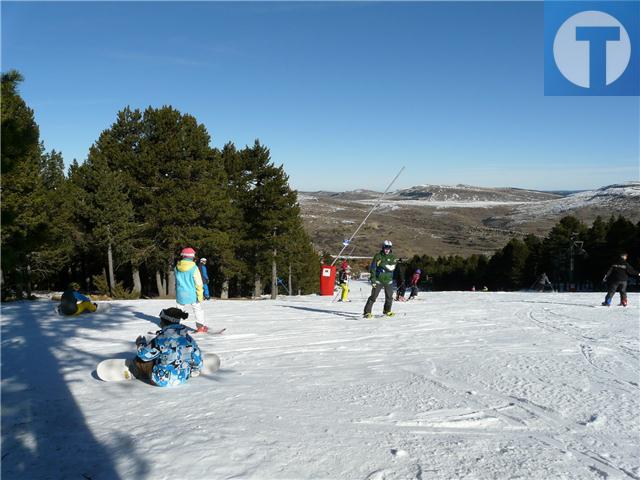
[
  {"x": 141, "y": 340},
  {"x": 604, "y": 280},
  {"x": 374, "y": 282}
]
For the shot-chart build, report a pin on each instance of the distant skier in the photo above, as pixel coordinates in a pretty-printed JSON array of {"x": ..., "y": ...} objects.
[
  {"x": 344, "y": 264},
  {"x": 414, "y": 284},
  {"x": 189, "y": 289},
  {"x": 542, "y": 282},
  {"x": 381, "y": 269},
  {"x": 401, "y": 280},
  {"x": 343, "y": 280},
  {"x": 171, "y": 357},
  {"x": 616, "y": 280},
  {"x": 205, "y": 278},
  {"x": 75, "y": 303}
]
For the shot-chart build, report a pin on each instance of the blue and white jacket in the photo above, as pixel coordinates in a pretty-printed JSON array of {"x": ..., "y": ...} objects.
[
  {"x": 175, "y": 354},
  {"x": 188, "y": 283}
]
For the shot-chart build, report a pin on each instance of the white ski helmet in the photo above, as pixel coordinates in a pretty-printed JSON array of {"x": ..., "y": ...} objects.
[{"x": 387, "y": 244}]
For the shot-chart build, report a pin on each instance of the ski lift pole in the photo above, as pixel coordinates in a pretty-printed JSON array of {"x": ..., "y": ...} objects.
[
  {"x": 335, "y": 297},
  {"x": 346, "y": 244},
  {"x": 281, "y": 283}
]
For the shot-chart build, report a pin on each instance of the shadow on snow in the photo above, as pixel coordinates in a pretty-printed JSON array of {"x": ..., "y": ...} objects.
[
  {"x": 44, "y": 431},
  {"x": 339, "y": 313}
]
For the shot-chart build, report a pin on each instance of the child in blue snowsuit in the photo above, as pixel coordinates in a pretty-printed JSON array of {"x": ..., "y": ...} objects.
[{"x": 172, "y": 357}]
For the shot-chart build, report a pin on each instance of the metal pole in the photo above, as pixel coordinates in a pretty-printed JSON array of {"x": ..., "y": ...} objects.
[
  {"x": 368, "y": 214},
  {"x": 573, "y": 241}
]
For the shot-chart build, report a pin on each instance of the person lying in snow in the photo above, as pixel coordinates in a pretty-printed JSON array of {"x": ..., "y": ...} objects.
[
  {"x": 171, "y": 357},
  {"x": 75, "y": 303}
]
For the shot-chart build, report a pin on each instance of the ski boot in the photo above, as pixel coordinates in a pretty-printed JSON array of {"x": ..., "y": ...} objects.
[
  {"x": 623, "y": 303},
  {"x": 367, "y": 315},
  {"x": 389, "y": 314},
  {"x": 606, "y": 304}
]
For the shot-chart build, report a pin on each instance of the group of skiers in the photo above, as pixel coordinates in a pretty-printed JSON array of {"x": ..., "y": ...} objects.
[
  {"x": 385, "y": 268},
  {"x": 173, "y": 356},
  {"x": 615, "y": 279}
]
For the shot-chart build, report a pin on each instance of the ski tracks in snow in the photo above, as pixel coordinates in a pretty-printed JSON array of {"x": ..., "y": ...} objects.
[{"x": 508, "y": 414}]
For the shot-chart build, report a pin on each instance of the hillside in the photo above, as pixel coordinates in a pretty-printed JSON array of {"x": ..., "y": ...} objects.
[{"x": 446, "y": 220}]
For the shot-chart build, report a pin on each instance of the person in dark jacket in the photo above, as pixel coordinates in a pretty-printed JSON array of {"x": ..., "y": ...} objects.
[
  {"x": 343, "y": 280},
  {"x": 381, "y": 270},
  {"x": 616, "y": 280},
  {"x": 401, "y": 280},
  {"x": 75, "y": 303},
  {"x": 205, "y": 278},
  {"x": 542, "y": 282}
]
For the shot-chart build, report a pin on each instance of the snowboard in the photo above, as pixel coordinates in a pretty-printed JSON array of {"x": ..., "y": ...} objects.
[
  {"x": 102, "y": 307},
  {"x": 114, "y": 370},
  {"x": 117, "y": 369}
]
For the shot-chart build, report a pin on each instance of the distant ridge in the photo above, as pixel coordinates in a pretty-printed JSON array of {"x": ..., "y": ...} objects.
[{"x": 454, "y": 219}]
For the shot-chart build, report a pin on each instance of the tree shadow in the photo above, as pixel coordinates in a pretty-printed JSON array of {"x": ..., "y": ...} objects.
[
  {"x": 44, "y": 431},
  {"x": 144, "y": 316},
  {"x": 553, "y": 303},
  {"x": 339, "y": 313}
]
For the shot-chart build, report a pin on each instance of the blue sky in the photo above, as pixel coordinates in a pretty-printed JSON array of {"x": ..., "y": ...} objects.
[{"x": 343, "y": 94}]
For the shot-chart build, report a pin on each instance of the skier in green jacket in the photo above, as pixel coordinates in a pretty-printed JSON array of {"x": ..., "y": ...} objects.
[{"x": 381, "y": 269}]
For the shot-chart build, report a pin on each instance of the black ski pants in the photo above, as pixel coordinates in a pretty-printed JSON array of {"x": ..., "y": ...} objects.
[
  {"x": 613, "y": 287},
  {"x": 388, "y": 297}
]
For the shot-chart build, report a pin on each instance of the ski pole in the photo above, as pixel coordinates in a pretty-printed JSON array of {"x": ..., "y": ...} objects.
[{"x": 285, "y": 288}]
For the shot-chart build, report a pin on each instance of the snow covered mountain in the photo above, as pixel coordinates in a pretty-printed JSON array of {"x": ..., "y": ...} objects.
[
  {"x": 467, "y": 193},
  {"x": 460, "y": 219},
  {"x": 621, "y": 198}
]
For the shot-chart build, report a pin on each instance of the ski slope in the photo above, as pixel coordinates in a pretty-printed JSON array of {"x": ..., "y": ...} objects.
[{"x": 458, "y": 385}]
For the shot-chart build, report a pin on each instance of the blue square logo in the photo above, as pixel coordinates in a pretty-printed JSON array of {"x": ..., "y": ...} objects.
[{"x": 591, "y": 48}]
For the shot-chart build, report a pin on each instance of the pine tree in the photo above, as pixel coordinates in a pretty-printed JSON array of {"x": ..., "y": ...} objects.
[
  {"x": 58, "y": 246},
  {"x": 556, "y": 248},
  {"x": 24, "y": 214},
  {"x": 108, "y": 214},
  {"x": 272, "y": 216},
  {"x": 176, "y": 186}
]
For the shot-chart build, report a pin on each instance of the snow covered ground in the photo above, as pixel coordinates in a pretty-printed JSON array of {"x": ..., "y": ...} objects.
[{"x": 458, "y": 385}]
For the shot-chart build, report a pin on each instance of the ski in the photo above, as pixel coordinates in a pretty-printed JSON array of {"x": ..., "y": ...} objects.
[
  {"x": 191, "y": 329},
  {"x": 382, "y": 315}
]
